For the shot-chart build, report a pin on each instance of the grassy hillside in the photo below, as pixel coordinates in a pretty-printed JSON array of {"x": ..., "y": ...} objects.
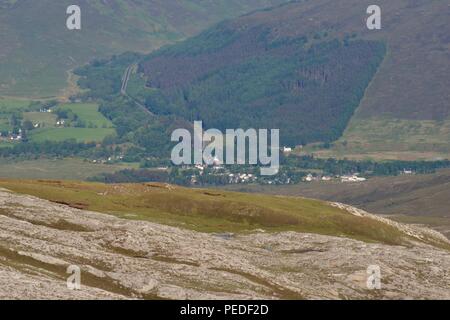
[
  {"x": 389, "y": 138},
  {"x": 408, "y": 194},
  {"x": 211, "y": 211},
  {"x": 37, "y": 49},
  {"x": 422, "y": 199}
]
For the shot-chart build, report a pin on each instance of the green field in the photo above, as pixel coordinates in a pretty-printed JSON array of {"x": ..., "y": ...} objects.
[
  {"x": 4, "y": 144},
  {"x": 72, "y": 169},
  {"x": 4, "y": 124},
  {"x": 8, "y": 105},
  {"x": 46, "y": 119},
  {"x": 392, "y": 139},
  {"x": 62, "y": 134},
  {"x": 88, "y": 112},
  {"x": 97, "y": 126}
]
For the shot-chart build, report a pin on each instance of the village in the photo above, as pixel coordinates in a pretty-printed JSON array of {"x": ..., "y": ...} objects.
[
  {"x": 11, "y": 137},
  {"x": 224, "y": 175},
  {"x": 217, "y": 173}
]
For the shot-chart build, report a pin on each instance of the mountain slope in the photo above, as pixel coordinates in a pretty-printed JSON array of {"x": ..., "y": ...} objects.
[
  {"x": 131, "y": 258},
  {"x": 218, "y": 211},
  {"x": 230, "y": 76},
  {"x": 243, "y": 74},
  {"x": 37, "y": 49},
  {"x": 412, "y": 82},
  {"x": 420, "y": 199},
  {"x": 405, "y": 111}
]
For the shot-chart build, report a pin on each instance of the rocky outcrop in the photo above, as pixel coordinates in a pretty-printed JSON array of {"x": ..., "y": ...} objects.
[
  {"x": 122, "y": 259},
  {"x": 416, "y": 232}
]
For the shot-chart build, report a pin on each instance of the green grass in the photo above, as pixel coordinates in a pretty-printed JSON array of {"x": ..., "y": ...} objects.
[
  {"x": 71, "y": 168},
  {"x": 210, "y": 211},
  {"x": 4, "y": 124},
  {"x": 46, "y": 119},
  {"x": 88, "y": 112},
  {"x": 63, "y": 134},
  {"x": 97, "y": 126},
  {"x": 37, "y": 50},
  {"x": 395, "y": 139},
  {"x": 4, "y": 144},
  {"x": 9, "y": 105}
]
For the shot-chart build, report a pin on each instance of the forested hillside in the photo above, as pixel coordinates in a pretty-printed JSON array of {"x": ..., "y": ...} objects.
[
  {"x": 303, "y": 67},
  {"x": 307, "y": 86}
]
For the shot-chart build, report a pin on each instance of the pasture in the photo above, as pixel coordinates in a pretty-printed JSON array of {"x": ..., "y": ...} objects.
[
  {"x": 46, "y": 119},
  {"x": 8, "y": 105},
  {"x": 69, "y": 168},
  {"x": 63, "y": 134},
  {"x": 88, "y": 113}
]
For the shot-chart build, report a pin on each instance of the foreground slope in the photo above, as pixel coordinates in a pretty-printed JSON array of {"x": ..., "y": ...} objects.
[
  {"x": 423, "y": 199},
  {"x": 121, "y": 258},
  {"x": 217, "y": 211}
]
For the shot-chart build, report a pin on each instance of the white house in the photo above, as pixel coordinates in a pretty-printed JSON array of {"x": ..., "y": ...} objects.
[
  {"x": 287, "y": 150},
  {"x": 352, "y": 178}
]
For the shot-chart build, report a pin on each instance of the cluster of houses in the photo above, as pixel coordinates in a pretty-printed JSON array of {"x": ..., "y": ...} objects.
[
  {"x": 233, "y": 178},
  {"x": 236, "y": 178},
  {"x": 13, "y": 136},
  {"x": 109, "y": 160},
  {"x": 352, "y": 178},
  {"x": 344, "y": 179}
]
